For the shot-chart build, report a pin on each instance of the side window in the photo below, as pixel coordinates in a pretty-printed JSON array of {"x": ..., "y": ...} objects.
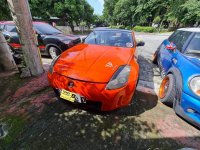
[
  {"x": 179, "y": 38},
  {"x": 194, "y": 46},
  {"x": 1, "y": 27}
]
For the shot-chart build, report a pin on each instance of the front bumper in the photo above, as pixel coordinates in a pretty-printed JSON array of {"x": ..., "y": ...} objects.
[
  {"x": 189, "y": 108},
  {"x": 95, "y": 92}
]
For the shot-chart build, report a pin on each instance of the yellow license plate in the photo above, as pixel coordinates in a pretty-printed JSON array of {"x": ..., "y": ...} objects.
[{"x": 69, "y": 96}]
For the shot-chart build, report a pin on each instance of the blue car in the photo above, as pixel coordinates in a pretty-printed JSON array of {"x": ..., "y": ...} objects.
[{"x": 178, "y": 58}]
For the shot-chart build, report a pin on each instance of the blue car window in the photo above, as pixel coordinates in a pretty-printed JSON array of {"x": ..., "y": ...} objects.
[
  {"x": 194, "y": 46},
  {"x": 179, "y": 38}
]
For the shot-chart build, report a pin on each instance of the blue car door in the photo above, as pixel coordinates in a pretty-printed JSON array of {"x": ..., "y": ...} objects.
[{"x": 179, "y": 38}]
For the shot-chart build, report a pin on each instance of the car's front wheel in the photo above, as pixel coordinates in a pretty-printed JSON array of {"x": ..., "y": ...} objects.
[
  {"x": 167, "y": 91},
  {"x": 54, "y": 52}
]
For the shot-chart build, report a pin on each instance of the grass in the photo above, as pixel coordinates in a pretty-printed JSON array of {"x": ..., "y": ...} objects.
[{"x": 14, "y": 126}]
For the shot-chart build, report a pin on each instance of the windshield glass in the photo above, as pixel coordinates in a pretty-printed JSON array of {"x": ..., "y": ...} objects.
[
  {"x": 194, "y": 46},
  {"x": 110, "y": 38},
  {"x": 46, "y": 29}
]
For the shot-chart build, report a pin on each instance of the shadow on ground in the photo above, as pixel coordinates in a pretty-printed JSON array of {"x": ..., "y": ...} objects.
[{"x": 64, "y": 127}]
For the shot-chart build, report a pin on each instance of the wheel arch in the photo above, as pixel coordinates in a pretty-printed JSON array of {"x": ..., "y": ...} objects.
[
  {"x": 52, "y": 45},
  {"x": 178, "y": 81}
]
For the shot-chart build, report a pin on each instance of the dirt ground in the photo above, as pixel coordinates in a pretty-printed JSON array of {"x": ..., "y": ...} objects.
[{"x": 33, "y": 118}]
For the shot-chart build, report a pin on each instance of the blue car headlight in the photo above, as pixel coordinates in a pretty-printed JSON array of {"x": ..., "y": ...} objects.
[
  {"x": 195, "y": 85},
  {"x": 120, "y": 78},
  {"x": 52, "y": 64}
]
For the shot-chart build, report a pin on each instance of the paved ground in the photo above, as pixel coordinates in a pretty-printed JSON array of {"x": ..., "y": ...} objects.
[{"x": 32, "y": 118}]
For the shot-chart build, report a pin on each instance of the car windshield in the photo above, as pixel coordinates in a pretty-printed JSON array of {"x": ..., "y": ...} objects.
[
  {"x": 194, "y": 46},
  {"x": 46, "y": 29},
  {"x": 110, "y": 38}
]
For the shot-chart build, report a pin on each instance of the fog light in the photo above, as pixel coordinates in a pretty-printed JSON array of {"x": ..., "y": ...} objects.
[{"x": 190, "y": 110}]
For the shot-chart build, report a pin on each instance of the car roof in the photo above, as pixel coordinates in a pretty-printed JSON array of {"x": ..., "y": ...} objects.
[
  {"x": 6, "y": 22},
  {"x": 12, "y": 22},
  {"x": 111, "y": 29},
  {"x": 190, "y": 29}
]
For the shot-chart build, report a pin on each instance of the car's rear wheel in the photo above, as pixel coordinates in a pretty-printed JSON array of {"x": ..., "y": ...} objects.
[
  {"x": 54, "y": 52},
  {"x": 154, "y": 60},
  {"x": 167, "y": 91}
]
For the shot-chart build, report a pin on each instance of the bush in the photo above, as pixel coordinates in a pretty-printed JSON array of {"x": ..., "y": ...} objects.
[
  {"x": 129, "y": 28},
  {"x": 144, "y": 29},
  {"x": 118, "y": 27}
]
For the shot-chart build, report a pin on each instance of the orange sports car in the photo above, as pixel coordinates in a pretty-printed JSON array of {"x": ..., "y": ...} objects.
[{"x": 102, "y": 72}]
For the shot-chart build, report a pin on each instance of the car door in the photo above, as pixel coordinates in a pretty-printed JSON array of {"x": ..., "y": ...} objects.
[{"x": 179, "y": 38}]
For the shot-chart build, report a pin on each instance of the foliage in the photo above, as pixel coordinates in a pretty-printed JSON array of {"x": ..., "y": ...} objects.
[
  {"x": 4, "y": 10},
  {"x": 70, "y": 11},
  {"x": 14, "y": 126},
  {"x": 109, "y": 6},
  {"x": 191, "y": 10},
  {"x": 175, "y": 13},
  {"x": 144, "y": 29},
  {"x": 118, "y": 27},
  {"x": 42, "y": 8},
  {"x": 157, "y": 20},
  {"x": 99, "y": 21},
  {"x": 74, "y": 11}
]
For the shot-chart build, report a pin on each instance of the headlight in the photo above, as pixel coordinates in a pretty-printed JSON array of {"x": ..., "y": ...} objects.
[
  {"x": 120, "y": 78},
  {"x": 52, "y": 64},
  {"x": 195, "y": 85}
]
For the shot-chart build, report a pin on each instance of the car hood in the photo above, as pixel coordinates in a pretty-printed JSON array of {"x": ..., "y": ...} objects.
[
  {"x": 194, "y": 60},
  {"x": 62, "y": 37},
  {"x": 93, "y": 63}
]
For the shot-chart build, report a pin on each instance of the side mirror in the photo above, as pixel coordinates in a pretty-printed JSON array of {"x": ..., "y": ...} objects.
[
  {"x": 171, "y": 47},
  {"x": 140, "y": 43},
  {"x": 7, "y": 37}
]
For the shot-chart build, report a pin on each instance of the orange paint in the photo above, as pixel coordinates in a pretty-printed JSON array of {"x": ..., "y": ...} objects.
[{"x": 90, "y": 67}]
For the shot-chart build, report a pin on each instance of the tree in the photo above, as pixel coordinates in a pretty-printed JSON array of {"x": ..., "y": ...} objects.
[
  {"x": 109, "y": 6},
  {"x": 123, "y": 15},
  {"x": 42, "y": 8},
  {"x": 4, "y": 10},
  {"x": 6, "y": 60},
  {"x": 74, "y": 11},
  {"x": 99, "y": 21},
  {"x": 22, "y": 17},
  {"x": 191, "y": 12}
]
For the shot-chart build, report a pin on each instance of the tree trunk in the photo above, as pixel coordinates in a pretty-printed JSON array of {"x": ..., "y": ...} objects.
[
  {"x": 7, "y": 62},
  {"x": 21, "y": 15},
  {"x": 72, "y": 27}
]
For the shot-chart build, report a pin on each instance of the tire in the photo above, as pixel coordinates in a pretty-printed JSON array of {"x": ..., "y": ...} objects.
[
  {"x": 155, "y": 57},
  {"x": 162, "y": 72},
  {"x": 54, "y": 52},
  {"x": 167, "y": 91}
]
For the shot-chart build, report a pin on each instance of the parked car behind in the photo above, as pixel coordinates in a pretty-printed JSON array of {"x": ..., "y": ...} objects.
[
  {"x": 52, "y": 42},
  {"x": 101, "y": 73},
  {"x": 178, "y": 58}
]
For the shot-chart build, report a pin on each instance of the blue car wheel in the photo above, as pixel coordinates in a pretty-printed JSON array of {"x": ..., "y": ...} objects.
[{"x": 167, "y": 91}]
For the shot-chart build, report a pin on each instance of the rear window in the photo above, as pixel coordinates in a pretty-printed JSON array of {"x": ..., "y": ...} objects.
[
  {"x": 46, "y": 29},
  {"x": 11, "y": 28},
  {"x": 179, "y": 38}
]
